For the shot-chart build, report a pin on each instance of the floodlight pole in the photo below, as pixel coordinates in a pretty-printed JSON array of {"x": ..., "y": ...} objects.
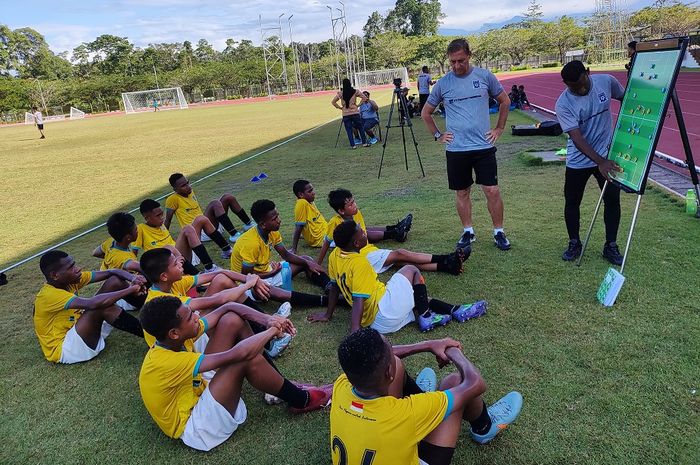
[
  {"x": 297, "y": 68},
  {"x": 335, "y": 45},
  {"x": 156, "y": 75},
  {"x": 311, "y": 72},
  {"x": 282, "y": 54},
  {"x": 267, "y": 72}
]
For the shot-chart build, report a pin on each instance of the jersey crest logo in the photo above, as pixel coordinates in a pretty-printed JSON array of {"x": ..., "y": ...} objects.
[
  {"x": 602, "y": 97},
  {"x": 477, "y": 84},
  {"x": 357, "y": 407}
]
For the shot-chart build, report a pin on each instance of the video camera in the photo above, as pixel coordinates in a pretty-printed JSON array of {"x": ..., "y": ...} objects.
[{"x": 397, "y": 82}]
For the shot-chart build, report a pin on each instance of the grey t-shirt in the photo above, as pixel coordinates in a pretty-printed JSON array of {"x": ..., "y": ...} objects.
[
  {"x": 591, "y": 114},
  {"x": 466, "y": 100},
  {"x": 424, "y": 83}
]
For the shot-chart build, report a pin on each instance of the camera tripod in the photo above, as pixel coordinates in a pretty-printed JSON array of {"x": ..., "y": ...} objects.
[{"x": 404, "y": 120}]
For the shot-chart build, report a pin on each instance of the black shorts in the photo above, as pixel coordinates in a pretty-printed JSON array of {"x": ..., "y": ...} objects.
[
  {"x": 40, "y": 126},
  {"x": 461, "y": 164}
]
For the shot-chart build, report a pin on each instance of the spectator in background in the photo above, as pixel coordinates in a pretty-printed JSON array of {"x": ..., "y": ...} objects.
[
  {"x": 424, "y": 83},
  {"x": 631, "y": 52},
  {"x": 370, "y": 117},
  {"x": 522, "y": 97}
]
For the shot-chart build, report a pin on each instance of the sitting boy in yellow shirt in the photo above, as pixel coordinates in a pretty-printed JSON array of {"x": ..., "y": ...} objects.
[
  {"x": 343, "y": 202},
  {"x": 309, "y": 222},
  {"x": 204, "y": 414},
  {"x": 73, "y": 329}
]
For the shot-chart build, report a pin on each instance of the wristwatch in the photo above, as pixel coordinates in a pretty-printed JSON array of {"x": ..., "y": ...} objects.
[{"x": 437, "y": 135}]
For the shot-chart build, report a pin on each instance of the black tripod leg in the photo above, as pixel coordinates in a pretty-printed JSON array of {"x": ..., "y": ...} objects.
[
  {"x": 405, "y": 154},
  {"x": 415, "y": 143},
  {"x": 338, "y": 136},
  {"x": 386, "y": 135},
  {"x": 686, "y": 146}
]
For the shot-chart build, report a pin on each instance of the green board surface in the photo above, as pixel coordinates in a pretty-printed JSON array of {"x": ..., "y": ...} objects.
[{"x": 641, "y": 116}]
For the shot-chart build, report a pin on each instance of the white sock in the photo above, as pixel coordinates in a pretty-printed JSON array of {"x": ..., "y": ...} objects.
[
  {"x": 497, "y": 230},
  {"x": 470, "y": 229}
]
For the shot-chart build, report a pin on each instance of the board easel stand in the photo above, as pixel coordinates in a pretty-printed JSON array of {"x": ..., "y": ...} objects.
[{"x": 653, "y": 45}]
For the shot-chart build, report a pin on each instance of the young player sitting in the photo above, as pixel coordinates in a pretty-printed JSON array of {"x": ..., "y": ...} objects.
[
  {"x": 183, "y": 404},
  {"x": 523, "y": 98},
  {"x": 73, "y": 329},
  {"x": 388, "y": 308},
  {"x": 381, "y": 415},
  {"x": 153, "y": 234},
  {"x": 251, "y": 253},
  {"x": 343, "y": 202},
  {"x": 164, "y": 269},
  {"x": 184, "y": 205},
  {"x": 309, "y": 222}
]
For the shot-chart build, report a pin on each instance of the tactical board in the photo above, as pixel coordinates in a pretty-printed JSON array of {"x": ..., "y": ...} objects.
[{"x": 649, "y": 88}]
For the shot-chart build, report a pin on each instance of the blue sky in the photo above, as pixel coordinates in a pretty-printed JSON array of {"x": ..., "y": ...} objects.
[{"x": 67, "y": 23}]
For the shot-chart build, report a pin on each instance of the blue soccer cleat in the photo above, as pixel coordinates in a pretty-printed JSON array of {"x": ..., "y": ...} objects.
[
  {"x": 468, "y": 311},
  {"x": 432, "y": 321},
  {"x": 427, "y": 380},
  {"x": 502, "y": 413}
]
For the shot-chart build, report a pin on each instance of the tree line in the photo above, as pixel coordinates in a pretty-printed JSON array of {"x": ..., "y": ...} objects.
[{"x": 94, "y": 74}]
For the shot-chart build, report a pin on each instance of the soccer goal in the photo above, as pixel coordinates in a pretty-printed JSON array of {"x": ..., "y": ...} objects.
[
  {"x": 76, "y": 114},
  {"x": 380, "y": 77},
  {"x": 171, "y": 98}
]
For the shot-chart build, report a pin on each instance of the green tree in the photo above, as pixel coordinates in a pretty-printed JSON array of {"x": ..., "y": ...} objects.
[
  {"x": 374, "y": 25},
  {"x": 432, "y": 50},
  {"x": 414, "y": 17},
  {"x": 533, "y": 15},
  {"x": 204, "y": 52},
  {"x": 667, "y": 17},
  {"x": 110, "y": 54}
]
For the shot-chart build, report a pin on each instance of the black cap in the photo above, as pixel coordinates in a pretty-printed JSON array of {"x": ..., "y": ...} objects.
[{"x": 572, "y": 71}]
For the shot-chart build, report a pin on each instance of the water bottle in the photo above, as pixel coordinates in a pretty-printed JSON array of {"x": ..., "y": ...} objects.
[
  {"x": 286, "y": 273},
  {"x": 691, "y": 202}
]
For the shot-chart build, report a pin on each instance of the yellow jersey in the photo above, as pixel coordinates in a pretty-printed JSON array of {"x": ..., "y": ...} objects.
[
  {"x": 252, "y": 250},
  {"x": 306, "y": 214},
  {"x": 357, "y": 218},
  {"x": 354, "y": 275},
  {"x": 53, "y": 316},
  {"x": 116, "y": 257},
  {"x": 171, "y": 384},
  {"x": 179, "y": 289},
  {"x": 383, "y": 430},
  {"x": 152, "y": 238},
  {"x": 186, "y": 208}
]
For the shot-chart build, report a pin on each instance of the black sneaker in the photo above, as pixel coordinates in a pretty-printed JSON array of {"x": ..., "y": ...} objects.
[
  {"x": 612, "y": 253},
  {"x": 573, "y": 251},
  {"x": 465, "y": 241},
  {"x": 454, "y": 261},
  {"x": 501, "y": 241},
  {"x": 406, "y": 222}
]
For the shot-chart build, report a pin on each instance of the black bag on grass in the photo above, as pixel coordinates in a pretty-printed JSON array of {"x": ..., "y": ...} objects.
[{"x": 545, "y": 128}]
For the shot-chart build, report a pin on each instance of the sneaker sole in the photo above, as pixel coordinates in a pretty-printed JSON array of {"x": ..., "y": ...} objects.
[{"x": 482, "y": 312}]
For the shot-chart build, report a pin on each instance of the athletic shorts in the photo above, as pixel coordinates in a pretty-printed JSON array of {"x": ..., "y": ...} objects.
[
  {"x": 40, "y": 126},
  {"x": 377, "y": 260},
  {"x": 74, "y": 349},
  {"x": 461, "y": 164},
  {"x": 275, "y": 281},
  {"x": 396, "y": 306},
  {"x": 200, "y": 345},
  {"x": 210, "y": 423}
]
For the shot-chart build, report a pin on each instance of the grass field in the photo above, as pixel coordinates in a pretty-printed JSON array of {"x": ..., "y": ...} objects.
[{"x": 600, "y": 385}]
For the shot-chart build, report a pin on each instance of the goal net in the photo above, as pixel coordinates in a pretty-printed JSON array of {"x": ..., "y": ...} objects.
[
  {"x": 380, "y": 77},
  {"x": 171, "y": 98},
  {"x": 76, "y": 114}
]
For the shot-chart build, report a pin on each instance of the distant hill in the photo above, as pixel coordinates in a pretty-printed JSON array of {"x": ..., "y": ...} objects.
[{"x": 488, "y": 26}]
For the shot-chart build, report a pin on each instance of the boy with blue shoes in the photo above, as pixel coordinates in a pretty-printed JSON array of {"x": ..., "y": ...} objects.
[
  {"x": 381, "y": 415},
  {"x": 386, "y": 308}
]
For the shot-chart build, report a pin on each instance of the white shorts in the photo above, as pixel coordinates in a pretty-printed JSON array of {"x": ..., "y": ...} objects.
[
  {"x": 275, "y": 281},
  {"x": 74, "y": 349},
  {"x": 396, "y": 307},
  {"x": 210, "y": 423},
  {"x": 378, "y": 258}
]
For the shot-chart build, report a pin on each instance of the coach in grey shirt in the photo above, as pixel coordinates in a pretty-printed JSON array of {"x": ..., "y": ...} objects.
[
  {"x": 583, "y": 111},
  {"x": 465, "y": 93}
]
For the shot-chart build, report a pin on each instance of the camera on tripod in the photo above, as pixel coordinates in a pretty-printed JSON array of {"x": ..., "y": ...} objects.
[{"x": 397, "y": 82}]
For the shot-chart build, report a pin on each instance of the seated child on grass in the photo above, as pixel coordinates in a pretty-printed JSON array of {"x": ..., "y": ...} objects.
[
  {"x": 251, "y": 254},
  {"x": 386, "y": 308},
  {"x": 309, "y": 222},
  {"x": 343, "y": 202},
  {"x": 153, "y": 234},
  {"x": 73, "y": 329},
  {"x": 204, "y": 414},
  {"x": 382, "y": 415},
  {"x": 164, "y": 269},
  {"x": 184, "y": 205}
]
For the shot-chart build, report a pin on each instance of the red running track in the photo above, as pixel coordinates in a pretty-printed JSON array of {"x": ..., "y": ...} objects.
[{"x": 543, "y": 89}]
